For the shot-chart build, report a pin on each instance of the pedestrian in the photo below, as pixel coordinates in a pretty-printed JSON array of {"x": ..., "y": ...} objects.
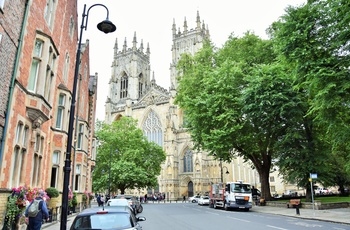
[
  {"x": 36, "y": 221},
  {"x": 102, "y": 200},
  {"x": 99, "y": 200},
  {"x": 184, "y": 199}
]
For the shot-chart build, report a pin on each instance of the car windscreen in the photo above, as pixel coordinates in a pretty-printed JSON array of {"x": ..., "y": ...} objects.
[
  {"x": 242, "y": 188},
  {"x": 103, "y": 221}
]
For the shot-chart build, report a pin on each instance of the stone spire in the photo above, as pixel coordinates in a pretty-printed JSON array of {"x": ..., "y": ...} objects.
[
  {"x": 124, "y": 46},
  {"x": 198, "y": 21},
  {"x": 134, "y": 42},
  {"x": 148, "y": 49},
  {"x": 174, "y": 28},
  {"x": 185, "y": 26},
  {"x": 141, "y": 46},
  {"x": 116, "y": 48}
]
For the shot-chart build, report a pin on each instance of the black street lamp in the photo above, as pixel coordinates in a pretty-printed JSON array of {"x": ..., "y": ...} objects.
[
  {"x": 109, "y": 172},
  {"x": 105, "y": 26},
  {"x": 227, "y": 172}
]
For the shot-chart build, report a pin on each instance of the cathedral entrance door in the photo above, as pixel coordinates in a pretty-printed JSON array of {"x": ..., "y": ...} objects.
[{"x": 190, "y": 189}]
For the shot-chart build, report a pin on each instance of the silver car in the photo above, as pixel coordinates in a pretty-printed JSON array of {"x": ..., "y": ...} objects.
[{"x": 113, "y": 218}]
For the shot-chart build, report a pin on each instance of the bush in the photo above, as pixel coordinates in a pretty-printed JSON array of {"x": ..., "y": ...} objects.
[
  {"x": 75, "y": 199},
  {"x": 52, "y": 192}
]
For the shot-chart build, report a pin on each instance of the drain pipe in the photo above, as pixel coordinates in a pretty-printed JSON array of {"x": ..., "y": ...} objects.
[{"x": 18, "y": 54}]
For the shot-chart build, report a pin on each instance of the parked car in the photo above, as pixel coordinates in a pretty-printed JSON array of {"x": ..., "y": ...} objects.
[
  {"x": 113, "y": 218},
  {"x": 120, "y": 203},
  {"x": 133, "y": 201},
  {"x": 203, "y": 200},
  {"x": 194, "y": 199},
  {"x": 322, "y": 191}
]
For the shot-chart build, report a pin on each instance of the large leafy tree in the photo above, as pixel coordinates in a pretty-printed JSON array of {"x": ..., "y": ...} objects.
[
  {"x": 314, "y": 40},
  {"x": 125, "y": 159},
  {"x": 241, "y": 102}
]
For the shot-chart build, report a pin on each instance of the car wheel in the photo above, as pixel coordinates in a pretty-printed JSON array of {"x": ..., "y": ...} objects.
[
  {"x": 215, "y": 205},
  {"x": 140, "y": 209},
  {"x": 193, "y": 201}
]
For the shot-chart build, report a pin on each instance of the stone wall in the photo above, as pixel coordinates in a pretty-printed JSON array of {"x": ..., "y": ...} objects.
[{"x": 308, "y": 205}]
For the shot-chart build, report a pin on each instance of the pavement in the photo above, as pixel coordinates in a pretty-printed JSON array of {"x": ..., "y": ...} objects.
[{"x": 339, "y": 215}]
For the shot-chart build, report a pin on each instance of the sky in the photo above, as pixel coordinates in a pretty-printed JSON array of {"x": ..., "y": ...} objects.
[{"x": 152, "y": 21}]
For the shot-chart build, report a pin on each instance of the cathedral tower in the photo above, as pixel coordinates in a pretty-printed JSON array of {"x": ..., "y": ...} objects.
[
  {"x": 189, "y": 41},
  {"x": 130, "y": 75}
]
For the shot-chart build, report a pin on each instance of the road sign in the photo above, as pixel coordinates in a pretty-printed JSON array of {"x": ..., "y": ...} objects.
[{"x": 313, "y": 175}]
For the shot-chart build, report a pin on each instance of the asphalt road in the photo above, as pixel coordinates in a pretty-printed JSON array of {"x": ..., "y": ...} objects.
[
  {"x": 191, "y": 216},
  {"x": 188, "y": 216}
]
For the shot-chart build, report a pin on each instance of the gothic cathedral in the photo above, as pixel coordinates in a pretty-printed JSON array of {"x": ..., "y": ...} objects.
[{"x": 134, "y": 92}]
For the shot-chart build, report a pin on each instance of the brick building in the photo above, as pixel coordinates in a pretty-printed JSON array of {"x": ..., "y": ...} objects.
[{"x": 38, "y": 45}]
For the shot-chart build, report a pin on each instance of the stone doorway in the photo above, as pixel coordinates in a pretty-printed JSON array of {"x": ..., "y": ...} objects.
[{"x": 190, "y": 189}]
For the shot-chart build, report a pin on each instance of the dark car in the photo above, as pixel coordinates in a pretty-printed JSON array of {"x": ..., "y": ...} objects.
[
  {"x": 114, "y": 218},
  {"x": 133, "y": 201}
]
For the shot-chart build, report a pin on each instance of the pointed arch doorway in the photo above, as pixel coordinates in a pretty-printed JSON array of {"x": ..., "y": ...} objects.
[{"x": 190, "y": 189}]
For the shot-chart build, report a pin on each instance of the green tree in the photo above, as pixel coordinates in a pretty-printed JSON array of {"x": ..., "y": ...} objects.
[
  {"x": 240, "y": 103},
  {"x": 314, "y": 39},
  {"x": 124, "y": 152}
]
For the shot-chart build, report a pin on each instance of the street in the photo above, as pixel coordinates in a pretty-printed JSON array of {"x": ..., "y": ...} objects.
[
  {"x": 191, "y": 216},
  {"x": 188, "y": 216}
]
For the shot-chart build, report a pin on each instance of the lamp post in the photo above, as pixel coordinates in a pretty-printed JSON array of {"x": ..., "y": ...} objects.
[
  {"x": 227, "y": 172},
  {"x": 109, "y": 172},
  {"x": 107, "y": 27}
]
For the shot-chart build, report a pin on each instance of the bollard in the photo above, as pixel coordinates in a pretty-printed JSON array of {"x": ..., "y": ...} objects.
[{"x": 297, "y": 209}]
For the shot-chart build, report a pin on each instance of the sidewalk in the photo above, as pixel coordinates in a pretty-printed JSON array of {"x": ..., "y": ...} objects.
[{"x": 339, "y": 215}]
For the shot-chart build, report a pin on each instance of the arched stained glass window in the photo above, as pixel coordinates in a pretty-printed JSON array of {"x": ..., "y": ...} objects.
[
  {"x": 188, "y": 162},
  {"x": 152, "y": 129}
]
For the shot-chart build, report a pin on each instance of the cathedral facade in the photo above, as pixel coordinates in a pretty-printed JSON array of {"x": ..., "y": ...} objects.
[{"x": 133, "y": 92}]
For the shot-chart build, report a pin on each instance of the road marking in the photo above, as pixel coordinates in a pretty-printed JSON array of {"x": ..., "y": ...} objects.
[
  {"x": 214, "y": 213},
  {"x": 270, "y": 226},
  {"x": 308, "y": 225},
  {"x": 239, "y": 219}
]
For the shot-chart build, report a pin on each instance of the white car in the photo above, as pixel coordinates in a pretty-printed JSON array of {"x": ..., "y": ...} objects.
[
  {"x": 194, "y": 199},
  {"x": 322, "y": 191},
  {"x": 203, "y": 200},
  {"x": 119, "y": 202}
]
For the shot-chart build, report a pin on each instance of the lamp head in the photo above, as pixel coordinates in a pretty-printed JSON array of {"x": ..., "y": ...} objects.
[
  {"x": 227, "y": 172},
  {"x": 106, "y": 26}
]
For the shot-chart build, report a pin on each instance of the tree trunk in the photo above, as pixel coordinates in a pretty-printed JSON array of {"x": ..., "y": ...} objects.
[{"x": 264, "y": 175}]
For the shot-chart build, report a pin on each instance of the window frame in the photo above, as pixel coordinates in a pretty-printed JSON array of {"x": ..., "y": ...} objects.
[{"x": 60, "y": 111}]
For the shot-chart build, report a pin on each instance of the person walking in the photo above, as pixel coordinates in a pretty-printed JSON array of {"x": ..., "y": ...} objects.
[{"x": 35, "y": 222}]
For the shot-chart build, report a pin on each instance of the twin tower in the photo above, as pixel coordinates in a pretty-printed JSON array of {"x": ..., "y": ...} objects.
[{"x": 131, "y": 70}]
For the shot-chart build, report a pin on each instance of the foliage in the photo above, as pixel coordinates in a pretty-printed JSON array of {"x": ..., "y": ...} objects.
[
  {"x": 73, "y": 201},
  {"x": 52, "y": 192},
  {"x": 17, "y": 202},
  {"x": 70, "y": 198},
  {"x": 88, "y": 195},
  {"x": 125, "y": 157},
  {"x": 241, "y": 102},
  {"x": 314, "y": 39}
]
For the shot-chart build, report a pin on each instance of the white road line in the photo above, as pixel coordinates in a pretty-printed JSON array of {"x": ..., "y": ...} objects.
[
  {"x": 239, "y": 219},
  {"x": 270, "y": 226},
  {"x": 214, "y": 213}
]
